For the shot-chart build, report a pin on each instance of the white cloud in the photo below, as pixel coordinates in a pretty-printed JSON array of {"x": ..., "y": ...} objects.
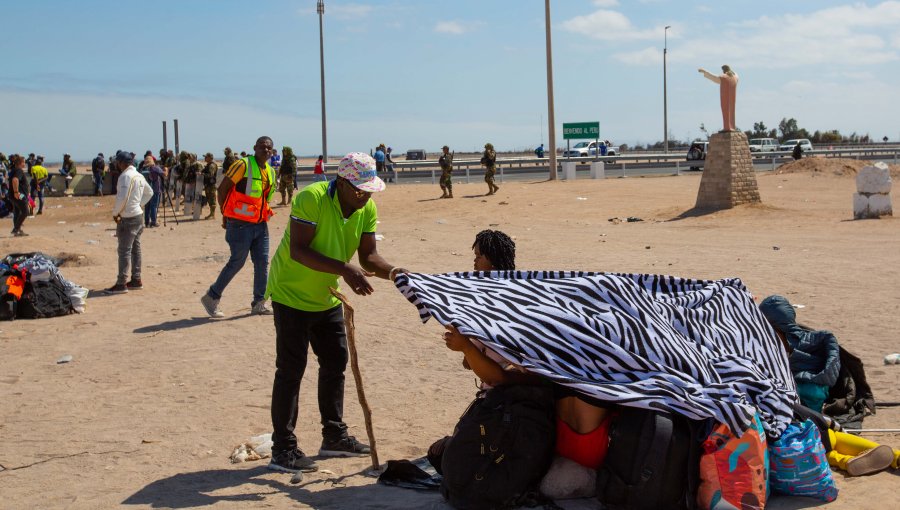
[
  {"x": 608, "y": 25},
  {"x": 451, "y": 27},
  {"x": 852, "y": 35},
  {"x": 606, "y": 3},
  {"x": 349, "y": 11}
]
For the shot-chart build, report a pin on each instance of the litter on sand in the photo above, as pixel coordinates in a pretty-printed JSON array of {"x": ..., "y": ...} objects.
[{"x": 65, "y": 359}]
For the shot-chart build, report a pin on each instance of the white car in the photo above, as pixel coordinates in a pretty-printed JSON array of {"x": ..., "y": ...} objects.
[
  {"x": 763, "y": 145},
  {"x": 584, "y": 149},
  {"x": 805, "y": 145}
]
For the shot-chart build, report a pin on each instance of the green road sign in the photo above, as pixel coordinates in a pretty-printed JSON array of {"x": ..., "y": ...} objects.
[{"x": 581, "y": 130}]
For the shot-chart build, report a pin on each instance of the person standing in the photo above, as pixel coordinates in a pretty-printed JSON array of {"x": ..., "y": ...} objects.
[
  {"x": 157, "y": 178},
  {"x": 489, "y": 160},
  {"x": 98, "y": 167},
  {"x": 286, "y": 175},
  {"x": 193, "y": 172},
  {"x": 132, "y": 194},
  {"x": 319, "y": 170},
  {"x": 114, "y": 174},
  {"x": 39, "y": 178},
  {"x": 275, "y": 160},
  {"x": 446, "y": 162},
  {"x": 17, "y": 195},
  {"x": 244, "y": 196},
  {"x": 210, "y": 174},
  {"x": 228, "y": 161},
  {"x": 379, "y": 159},
  {"x": 389, "y": 165},
  {"x": 330, "y": 221},
  {"x": 68, "y": 170}
]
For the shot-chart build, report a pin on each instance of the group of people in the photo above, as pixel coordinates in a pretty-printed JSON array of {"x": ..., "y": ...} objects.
[
  {"x": 488, "y": 160},
  {"x": 23, "y": 182},
  {"x": 384, "y": 163}
]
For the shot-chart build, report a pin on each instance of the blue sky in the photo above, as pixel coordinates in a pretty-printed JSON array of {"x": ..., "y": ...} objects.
[{"x": 97, "y": 75}]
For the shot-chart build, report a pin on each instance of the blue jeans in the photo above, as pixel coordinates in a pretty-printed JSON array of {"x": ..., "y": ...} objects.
[
  {"x": 243, "y": 238},
  {"x": 98, "y": 183},
  {"x": 151, "y": 209}
]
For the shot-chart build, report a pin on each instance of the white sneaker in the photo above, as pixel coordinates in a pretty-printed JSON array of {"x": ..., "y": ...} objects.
[
  {"x": 212, "y": 306},
  {"x": 260, "y": 308}
]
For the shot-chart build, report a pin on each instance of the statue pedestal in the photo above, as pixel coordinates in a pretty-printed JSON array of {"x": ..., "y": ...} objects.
[{"x": 728, "y": 177}]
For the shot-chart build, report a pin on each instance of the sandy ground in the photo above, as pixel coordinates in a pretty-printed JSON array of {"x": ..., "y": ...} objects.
[{"x": 157, "y": 395}]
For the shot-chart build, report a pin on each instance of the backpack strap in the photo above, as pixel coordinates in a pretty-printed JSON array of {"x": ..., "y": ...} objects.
[{"x": 663, "y": 430}]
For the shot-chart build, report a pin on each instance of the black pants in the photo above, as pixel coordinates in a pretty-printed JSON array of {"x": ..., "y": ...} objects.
[
  {"x": 295, "y": 331},
  {"x": 20, "y": 212}
]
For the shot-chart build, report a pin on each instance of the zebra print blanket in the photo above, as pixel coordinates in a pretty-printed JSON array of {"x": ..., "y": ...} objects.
[{"x": 699, "y": 348}]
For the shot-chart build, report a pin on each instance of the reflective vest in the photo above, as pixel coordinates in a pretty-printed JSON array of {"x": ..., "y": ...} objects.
[{"x": 252, "y": 203}]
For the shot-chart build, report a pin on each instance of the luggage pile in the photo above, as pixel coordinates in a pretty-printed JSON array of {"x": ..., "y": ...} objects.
[{"x": 31, "y": 287}]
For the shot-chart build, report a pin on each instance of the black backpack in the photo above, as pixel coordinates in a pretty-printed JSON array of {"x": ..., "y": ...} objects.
[
  {"x": 500, "y": 449},
  {"x": 652, "y": 462},
  {"x": 42, "y": 299}
]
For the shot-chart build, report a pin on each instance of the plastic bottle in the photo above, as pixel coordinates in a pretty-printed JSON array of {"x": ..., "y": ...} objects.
[{"x": 892, "y": 359}]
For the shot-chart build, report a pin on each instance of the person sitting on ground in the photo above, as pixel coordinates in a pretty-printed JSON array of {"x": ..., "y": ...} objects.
[
  {"x": 582, "y": 423},
  {"x": 814, "y": 360}
]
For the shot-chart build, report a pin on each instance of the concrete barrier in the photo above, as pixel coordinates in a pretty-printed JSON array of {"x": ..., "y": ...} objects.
[
  {"x": 568, "y": 171},
  {"x": 598, "y": 170}
]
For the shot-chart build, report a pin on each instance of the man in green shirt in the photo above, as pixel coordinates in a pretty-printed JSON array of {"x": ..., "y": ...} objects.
[{"x": 329, "y": 222}]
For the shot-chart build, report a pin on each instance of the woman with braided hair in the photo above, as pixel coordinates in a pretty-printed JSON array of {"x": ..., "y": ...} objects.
[{"x": 494, "y": 251}]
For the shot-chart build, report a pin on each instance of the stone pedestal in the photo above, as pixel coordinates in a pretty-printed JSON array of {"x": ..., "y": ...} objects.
[
  {"x": 873, "y": 192},
  {"x": 728, "y": 177}
]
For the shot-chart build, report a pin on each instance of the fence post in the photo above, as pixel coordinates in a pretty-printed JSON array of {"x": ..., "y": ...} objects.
[
  {"x": 501, "y": 172},
  {"x": 432, "y": 176},
  {"x": 467, "y": 174},
  {"x": 623, "y": 169},
  {"x": 773, "y": 163},
  {"x": 677, "y": 167}
]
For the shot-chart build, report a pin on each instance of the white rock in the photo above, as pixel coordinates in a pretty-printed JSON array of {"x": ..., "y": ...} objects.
[
  {"x": 874, "y": 179},
  {"x": 880, "y": 205},
  {"x": 871, "y": 206}
]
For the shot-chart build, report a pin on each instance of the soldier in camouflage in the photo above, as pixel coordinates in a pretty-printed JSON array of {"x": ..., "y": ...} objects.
[
  {"x": 446, "y": 162},
  {"x": 184, "y": 161},
  {"x": 210, "y": 174},
  {"x": 194, "y": 169},
  {"x": 286, "y": 175},
  {"x": 229, "y": 159},
  {"x": 489, "y": 160}
]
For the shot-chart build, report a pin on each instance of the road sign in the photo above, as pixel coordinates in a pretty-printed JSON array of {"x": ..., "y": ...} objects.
[{"x": 581, "y": 130}]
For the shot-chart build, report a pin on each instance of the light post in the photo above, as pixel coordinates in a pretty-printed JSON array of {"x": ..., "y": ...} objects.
[
  {"x": 320, "y": 8},
  {"x": 665, "y": 92},
  {"x": 550, "y": 118}
]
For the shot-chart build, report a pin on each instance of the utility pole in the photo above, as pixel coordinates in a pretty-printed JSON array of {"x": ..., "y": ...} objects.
[
  {"x": 550, "y": 118},
  {"x": 165, "y": 138},
  {"x": 175, "y": 122},
  {"x": 320, "y": 8},
  {"x": 665, "y": 92}
]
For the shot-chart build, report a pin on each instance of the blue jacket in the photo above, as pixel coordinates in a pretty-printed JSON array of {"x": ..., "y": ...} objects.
[{"x": 816, "y": 354}]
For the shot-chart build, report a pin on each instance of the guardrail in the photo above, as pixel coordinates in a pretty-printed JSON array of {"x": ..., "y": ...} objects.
[{"x": 678, "y": 162}]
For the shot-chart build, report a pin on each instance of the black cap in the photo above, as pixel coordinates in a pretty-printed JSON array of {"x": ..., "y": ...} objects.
[{"x": 125, "y": 156}]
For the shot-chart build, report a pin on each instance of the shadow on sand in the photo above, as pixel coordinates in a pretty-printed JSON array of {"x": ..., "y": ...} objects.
[
  {"x": 206, "y": 488},
  {"x": 185, "y": 323}
]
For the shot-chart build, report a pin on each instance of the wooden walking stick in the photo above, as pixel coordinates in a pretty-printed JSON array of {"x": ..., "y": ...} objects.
[{"x": 357, "y": 376}]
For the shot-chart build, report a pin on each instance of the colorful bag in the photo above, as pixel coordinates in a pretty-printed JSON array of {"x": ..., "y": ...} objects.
[
  {"x": 734, "y": 472},
  {"x": 799, "y": 465}
]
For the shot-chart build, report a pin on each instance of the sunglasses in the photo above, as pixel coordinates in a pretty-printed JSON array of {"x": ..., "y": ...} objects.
[{"x": 356, "y": 191}]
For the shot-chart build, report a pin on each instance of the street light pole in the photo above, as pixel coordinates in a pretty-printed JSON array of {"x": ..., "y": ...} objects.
[
  {"x": 320, "y": 8},
  {"x": 550, "y": 118},
  {"x": 665, "y": 92}
]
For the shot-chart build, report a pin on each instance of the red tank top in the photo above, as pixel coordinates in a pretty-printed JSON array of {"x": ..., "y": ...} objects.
[{"x": 589, "y": 449}]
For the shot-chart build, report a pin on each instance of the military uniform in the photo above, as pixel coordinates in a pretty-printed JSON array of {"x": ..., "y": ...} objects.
[
  {"x": 489, "y": 160},
  {"x": 210, "y": 172},
  {"x": 286, "y": 175},
  {"x": 446, "y": 162},
  {"x": 229, "y": 159}
]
